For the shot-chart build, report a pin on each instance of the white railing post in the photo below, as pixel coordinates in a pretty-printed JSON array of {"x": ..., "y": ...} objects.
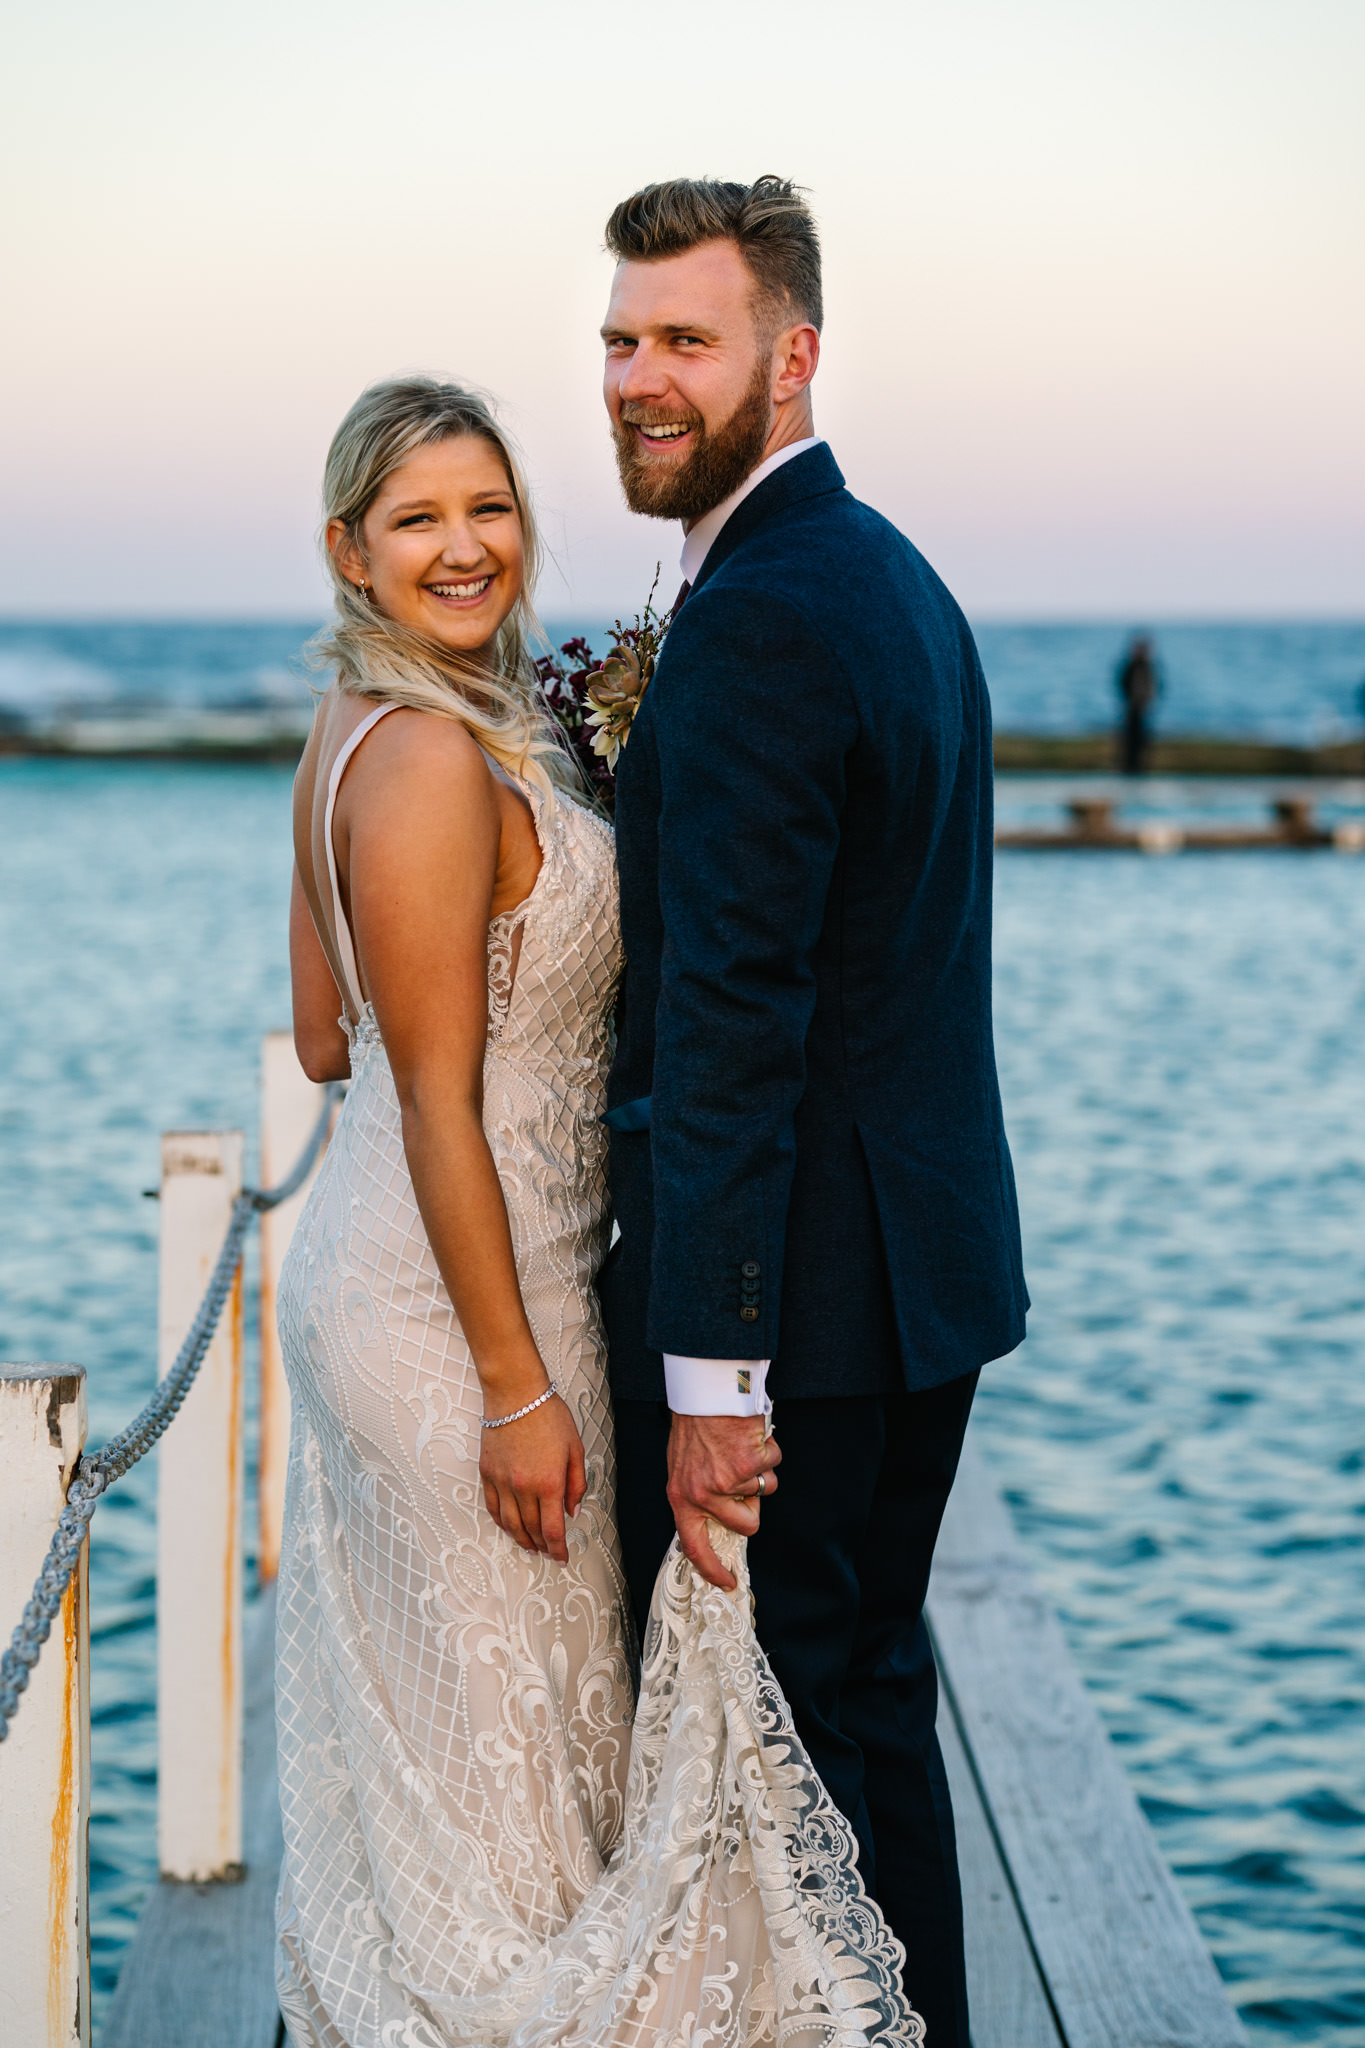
[
  {"x": 290, "y": 1107},
  {"x": 45, "y": 1759},
  {"x": 199, "y": 1526}
]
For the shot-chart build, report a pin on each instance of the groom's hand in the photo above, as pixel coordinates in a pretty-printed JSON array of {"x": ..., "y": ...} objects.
[{"x": 714, "y": 1466}]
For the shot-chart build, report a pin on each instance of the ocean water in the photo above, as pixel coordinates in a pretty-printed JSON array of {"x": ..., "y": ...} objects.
[
  {"x": 1296, "y": 681},
  {"x": 1182, "y": 1439}
]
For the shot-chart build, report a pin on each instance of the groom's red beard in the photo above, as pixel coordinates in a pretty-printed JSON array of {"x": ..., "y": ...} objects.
[{"x": 720, "y": 459}]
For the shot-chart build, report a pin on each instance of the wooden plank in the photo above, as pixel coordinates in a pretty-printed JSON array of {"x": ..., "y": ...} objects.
[
  {"x": 1007, "y": 2000},
  {"x": 200, "y": 1972},
  {"x": 45, "y": 1757},
  {"x": 1123, "y": 1961},
  {"x": 199, "y": 1524}
]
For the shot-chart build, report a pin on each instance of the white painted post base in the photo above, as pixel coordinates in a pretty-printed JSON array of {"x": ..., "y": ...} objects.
[
  {"x": 290, "y": 1107},
  {"x": 199, "y": 1526},
  {"x": 45, "y": 1759}
]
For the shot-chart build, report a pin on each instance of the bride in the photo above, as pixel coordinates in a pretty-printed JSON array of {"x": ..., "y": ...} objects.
[{"x": 480, "y": 1848}]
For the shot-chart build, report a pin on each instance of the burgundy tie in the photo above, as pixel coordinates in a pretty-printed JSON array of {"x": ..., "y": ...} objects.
[{"x": 680, "y": 600}]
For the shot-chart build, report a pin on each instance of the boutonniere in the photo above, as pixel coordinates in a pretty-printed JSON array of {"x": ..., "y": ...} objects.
[{"x": 596, "y": 701}]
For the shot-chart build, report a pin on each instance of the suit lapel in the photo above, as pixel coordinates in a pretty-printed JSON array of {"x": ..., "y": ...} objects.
[{"x": 811, "y": 475}]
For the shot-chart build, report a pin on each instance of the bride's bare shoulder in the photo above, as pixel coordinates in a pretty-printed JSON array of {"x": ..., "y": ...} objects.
[
  {"x": 417, "y": 780},
  {"x": 421, "y": 747},
  {"x": 421, "y": 752}
]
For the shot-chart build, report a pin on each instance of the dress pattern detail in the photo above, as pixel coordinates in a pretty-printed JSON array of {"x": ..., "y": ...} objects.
[{"x": 476, "y": 1851}]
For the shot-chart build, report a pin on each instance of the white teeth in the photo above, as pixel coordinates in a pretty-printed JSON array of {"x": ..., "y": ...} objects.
[
  {"x": 663, "y": 433},
  {"x": 460, "y": 589}
]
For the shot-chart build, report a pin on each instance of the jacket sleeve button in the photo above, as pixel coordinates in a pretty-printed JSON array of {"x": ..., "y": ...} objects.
[
  {"x": 750, "y": 1315},
  {"x": 750, "y": 1269}
]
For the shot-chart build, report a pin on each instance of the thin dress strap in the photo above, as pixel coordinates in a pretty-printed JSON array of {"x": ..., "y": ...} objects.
[{"x": 345, "y": 947}]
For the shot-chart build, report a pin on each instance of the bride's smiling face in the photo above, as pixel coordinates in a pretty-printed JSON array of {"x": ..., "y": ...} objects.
[{"x": 442, "y": 544}]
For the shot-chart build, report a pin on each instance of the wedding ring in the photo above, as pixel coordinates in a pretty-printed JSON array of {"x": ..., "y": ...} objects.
[{"x": 762, "y": 1482}]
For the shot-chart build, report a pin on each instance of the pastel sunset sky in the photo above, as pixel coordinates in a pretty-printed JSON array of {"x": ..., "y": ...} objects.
[{"x": 1095, "y": 279}]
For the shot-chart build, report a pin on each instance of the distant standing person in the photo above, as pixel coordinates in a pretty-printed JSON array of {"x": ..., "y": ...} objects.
[{"x": 1137, "y": 686}]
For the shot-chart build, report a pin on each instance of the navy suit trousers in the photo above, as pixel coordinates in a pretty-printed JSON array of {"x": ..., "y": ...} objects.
[{"x": 840, "y": 1568}]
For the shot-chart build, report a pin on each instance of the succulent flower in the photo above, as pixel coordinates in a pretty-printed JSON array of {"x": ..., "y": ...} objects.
[{"x": 614, "y": 692}]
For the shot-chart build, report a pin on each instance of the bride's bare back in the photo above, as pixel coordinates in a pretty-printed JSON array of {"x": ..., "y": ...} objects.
[{"x": 516, "y": 860}]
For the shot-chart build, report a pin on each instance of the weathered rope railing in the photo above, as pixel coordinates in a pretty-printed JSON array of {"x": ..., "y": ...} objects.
[{"x": 94, "y": 1475}]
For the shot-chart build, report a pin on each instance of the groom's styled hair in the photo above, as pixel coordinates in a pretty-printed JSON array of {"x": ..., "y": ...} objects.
[{"x": 769, "y": 221}]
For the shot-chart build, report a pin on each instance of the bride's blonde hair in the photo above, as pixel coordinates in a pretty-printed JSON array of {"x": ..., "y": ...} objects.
[{"x": 497, "y": 699}]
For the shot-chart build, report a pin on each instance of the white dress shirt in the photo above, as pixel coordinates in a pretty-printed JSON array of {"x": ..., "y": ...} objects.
[{"x": 723, "y": 1386}]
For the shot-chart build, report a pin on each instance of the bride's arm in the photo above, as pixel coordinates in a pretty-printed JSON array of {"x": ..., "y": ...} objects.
[{"x": 418, "y": 826}]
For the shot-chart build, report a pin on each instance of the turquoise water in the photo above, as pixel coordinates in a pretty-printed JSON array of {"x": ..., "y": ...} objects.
[{"x": 1182, "y": 1439}]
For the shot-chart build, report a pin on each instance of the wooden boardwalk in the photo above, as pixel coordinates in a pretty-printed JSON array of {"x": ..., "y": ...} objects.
[
  {"x": 1077, "y": 1936},
  {"x": 200, "y": 1971}
]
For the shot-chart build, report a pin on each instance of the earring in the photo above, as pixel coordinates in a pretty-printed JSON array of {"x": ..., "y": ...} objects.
[{"x": 362, "y": 586}]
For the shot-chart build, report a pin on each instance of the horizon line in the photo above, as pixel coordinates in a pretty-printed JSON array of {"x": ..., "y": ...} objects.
[{"x": 986, "y": 616}]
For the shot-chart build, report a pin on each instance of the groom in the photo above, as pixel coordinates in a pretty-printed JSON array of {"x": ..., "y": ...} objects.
[{"x": 808, "y": 1162}]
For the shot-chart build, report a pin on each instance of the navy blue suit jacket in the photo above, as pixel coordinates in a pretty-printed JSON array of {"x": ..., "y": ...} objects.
[{"x": 808, "y": 1161}]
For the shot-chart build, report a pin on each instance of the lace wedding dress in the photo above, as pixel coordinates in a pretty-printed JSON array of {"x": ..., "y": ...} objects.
[{"x": 479, "y": 1848}]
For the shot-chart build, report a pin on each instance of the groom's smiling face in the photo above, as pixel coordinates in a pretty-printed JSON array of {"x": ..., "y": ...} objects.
[{"x": 689, "y": 379}]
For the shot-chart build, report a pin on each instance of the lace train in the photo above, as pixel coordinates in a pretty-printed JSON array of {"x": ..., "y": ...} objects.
[{"x": 731, "y": 1915}]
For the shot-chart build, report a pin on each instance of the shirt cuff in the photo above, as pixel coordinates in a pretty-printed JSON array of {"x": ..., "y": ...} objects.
[{"x": 717, "y": 1386}]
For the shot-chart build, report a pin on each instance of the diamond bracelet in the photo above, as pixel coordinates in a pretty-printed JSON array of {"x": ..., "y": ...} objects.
[{"x": 517, "y": 1413}]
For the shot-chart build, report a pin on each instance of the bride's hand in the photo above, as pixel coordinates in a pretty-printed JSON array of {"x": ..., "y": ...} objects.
[{"x": 533, "y": 1476}]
